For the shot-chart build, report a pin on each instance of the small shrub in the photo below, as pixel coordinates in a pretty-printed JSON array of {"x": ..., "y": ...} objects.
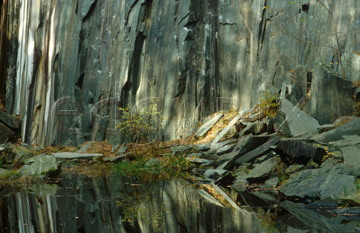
[
  {"x": 139, "y": 126},
  {"x": 269, "y": 104}
]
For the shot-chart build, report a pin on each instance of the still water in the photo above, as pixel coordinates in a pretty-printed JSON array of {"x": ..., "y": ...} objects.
[{"x": 80, "y": 204}]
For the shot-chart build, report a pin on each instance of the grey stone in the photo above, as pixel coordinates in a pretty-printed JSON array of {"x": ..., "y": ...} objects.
[
  {"x": 272, "y": 182},
  {"x": 300, "y": 151},
  {"x": 122, "y": 149},
  {"x": 228, "y": 127},
  {"x": 208, "y": 125},
  {"x": 218, "y": 145},
  {"x": 297, "y": 121},
  {"x": 14, "y": 154},
  {"x": 240, "y": 185},
  {"x": 101, "y": 68},
  {"x": 225, "y": 149},
  {"x": 262, "y": 170},
  {"x": 181, "y": 150},
  {"x": 227, "y": 157},
  {"x": 265, "y": 157},
  {"x": 115, "y": 158},
  {"x": 317, "y": 221},
  {"x": 10, "y": 121},
  {"x": 6, "y": 133},
  {"x": 214, "y": 173},
  {"x": 352, "y": 128},
  {"x": 209, "y": 198},
  {"x": 198, "y": 160},
  {"x": 264, "y": 148},
  {"x": 319, "y": 183},
  {"x": 40, "y": 165},
  {"x": 331, "y": 96},
  {"x": 85, "y": 147},
  {"x": 203, "y": 147},
  {"x": 74, "y": 155}
]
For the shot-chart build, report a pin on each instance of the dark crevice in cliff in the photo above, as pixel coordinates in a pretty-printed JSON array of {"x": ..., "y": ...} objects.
[
  {"x": 80, "y": 82},
  {"x": 133, "y": 80},
  {"x": 130, "y": 6},
  {"x": 90, "y": 11},
  {"x": 262, "y": 28}
]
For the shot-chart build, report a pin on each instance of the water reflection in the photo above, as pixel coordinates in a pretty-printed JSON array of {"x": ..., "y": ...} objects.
[{"x": 115, "y": 203}]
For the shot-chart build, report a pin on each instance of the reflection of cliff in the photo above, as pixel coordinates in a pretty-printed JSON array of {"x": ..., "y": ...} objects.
[
  {"x": 88, "y": 57},
  {"x": 115, "y": 204}
]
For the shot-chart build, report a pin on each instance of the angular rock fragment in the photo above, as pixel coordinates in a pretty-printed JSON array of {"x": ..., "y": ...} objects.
[
  {"x": 40, "y": 165},
  {"x": 264, "y": 148},
  {"x": 6, "y": 133},
  {"x": 300, "y": 151},
  {"x": 262, "y": 170},
  {"x": 208, "y": 125},
  {"x": 296, "y": 121},
  {"x": 74, "y": 155},
  {"x": 228, "y": 127},
  {"x": 317, "y": 221},
  {"x": 214, "y": 173},
  {"x": 10, "y": 121},
  {"x": 352, "y": 128},
  {"x": 323, "y": 182},
  {"x": 331, "y": 96}
]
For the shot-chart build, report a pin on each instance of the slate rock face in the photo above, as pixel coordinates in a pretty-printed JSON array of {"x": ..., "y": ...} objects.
[
  {"x": 319, "y": 183},
  {"x": 331, "y": 96},
  {"x": 192, "y": 58}
]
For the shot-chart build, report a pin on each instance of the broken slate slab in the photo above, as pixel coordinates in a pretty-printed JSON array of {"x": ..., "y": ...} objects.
[
  {"x": 10, "y": 121},
  {"x": 208, "y": 125},
  {"x": 214, "y": 173},
  {"x": 323, "y": 182},
  {"x": 300, "y": 151},
  {"x": 39, "y": 165},
  {"x": 297, "y": 121},
  {"x": 261, "y": 150},
  {"x": 74, "y": 155},
  {"x": 6, "y": 133},
  {"x": 352, "y": 128},
  {"x": 262, "y": 170},
  {"x": 225, "y": 149},
  {"x": 209, "y": 198},
  {"x": 228, "y": 127},
  {"x": 318, "y": 221},
  {"x": 218, "y": 145},
  {"x": 115, "y": 158},
  {"x": 85, "y": 147}
]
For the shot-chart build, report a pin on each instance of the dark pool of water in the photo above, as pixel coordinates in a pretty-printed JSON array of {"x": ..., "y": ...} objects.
[{"x": 82, "y": 204}]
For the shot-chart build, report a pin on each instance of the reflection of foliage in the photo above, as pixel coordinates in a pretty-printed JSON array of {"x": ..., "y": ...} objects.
[
  {"x": 138, "y": 125},
  {"x": 140, "y": 203},
  {"x": 165, "y": 167},
  {"x": 269, "y": 104}
]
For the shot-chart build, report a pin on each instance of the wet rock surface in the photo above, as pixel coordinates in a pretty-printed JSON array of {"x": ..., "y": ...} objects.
[{"x": 282, "y": 175}]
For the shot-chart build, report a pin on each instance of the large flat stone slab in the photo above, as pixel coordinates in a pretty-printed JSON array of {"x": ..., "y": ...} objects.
[
  {"x": 74, "y": 155},
  {"x": 297, "y": 121},
  {"x": 228, "y": 127},
  {"x": 321, "y": 183},
  {"x": 208, "y": 125},
  {"x": 264, "y": 148},
  {"x": 352, "y": 128}
]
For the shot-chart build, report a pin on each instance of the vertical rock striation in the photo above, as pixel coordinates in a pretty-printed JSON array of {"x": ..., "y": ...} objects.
[{"x": 67, "y": 65}]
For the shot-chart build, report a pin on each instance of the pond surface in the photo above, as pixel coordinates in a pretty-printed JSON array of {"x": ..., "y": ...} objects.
[{"x": 82, "y": 204}]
